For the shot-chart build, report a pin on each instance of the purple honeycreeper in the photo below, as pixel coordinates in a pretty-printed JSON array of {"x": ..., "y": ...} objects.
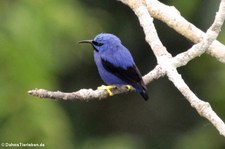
[{"x": 115, "y": 63}]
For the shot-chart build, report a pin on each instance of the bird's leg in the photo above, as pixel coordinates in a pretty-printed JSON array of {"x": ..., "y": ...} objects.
[{"x": 107, "y": 88}]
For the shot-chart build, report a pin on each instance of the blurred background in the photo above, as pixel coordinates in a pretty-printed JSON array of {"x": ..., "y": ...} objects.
[{"x": 38, "y": 49}]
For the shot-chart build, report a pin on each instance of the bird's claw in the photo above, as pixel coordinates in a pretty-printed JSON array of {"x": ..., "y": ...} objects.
[
  {"x": 107, "y": 88},
  {"x": 129, "y": 87}
]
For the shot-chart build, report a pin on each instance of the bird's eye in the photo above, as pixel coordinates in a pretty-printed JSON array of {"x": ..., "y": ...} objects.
[{"x": 97, "y": 43}]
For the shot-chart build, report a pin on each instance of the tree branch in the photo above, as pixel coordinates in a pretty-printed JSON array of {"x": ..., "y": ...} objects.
[
  {"x": 90, "y": 94},
  {"x": 208, "y": 38},
  {"x": 170, "y": 64},
  {"x": 203, "y": 108},
  {"x": 171, "y": 16},
  {"x": 82, "y": 94}
]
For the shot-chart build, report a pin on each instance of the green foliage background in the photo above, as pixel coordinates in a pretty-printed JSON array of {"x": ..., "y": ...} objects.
[{"x": 38, "y": 49}]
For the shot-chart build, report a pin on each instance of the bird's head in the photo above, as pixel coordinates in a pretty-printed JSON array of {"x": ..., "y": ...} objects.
[{"x": 102, "y": 41}]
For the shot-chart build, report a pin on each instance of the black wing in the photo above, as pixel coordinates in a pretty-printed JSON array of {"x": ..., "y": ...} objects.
[{"x": 131, "y": 74}]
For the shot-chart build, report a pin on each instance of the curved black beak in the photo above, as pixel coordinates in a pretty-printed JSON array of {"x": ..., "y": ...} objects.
[{"x": 86, "y": 41}]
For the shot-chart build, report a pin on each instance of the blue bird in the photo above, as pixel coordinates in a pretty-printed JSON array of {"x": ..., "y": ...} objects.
[{"x": 115, "y": 63}]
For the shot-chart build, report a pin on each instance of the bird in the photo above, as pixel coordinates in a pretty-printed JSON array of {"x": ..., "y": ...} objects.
[{"x": 115, "y": 64}]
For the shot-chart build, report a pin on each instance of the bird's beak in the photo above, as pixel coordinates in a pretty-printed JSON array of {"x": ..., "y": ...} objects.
[{"x": 86, "y": 41}]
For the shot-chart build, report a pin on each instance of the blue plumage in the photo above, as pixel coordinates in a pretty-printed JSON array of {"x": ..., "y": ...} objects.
[{"x": 115, "y": 63}]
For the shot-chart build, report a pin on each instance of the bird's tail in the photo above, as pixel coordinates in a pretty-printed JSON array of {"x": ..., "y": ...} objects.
[
  {"x": 142, "y": 89},
  {"x": 144, "y": 94}
]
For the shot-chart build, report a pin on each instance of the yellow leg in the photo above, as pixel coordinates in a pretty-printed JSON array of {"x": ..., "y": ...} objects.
[{"x": 107, "y": 88}]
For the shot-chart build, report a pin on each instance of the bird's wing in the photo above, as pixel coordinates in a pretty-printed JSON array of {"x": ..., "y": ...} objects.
[
  {"x": 131, "y": 74},
  {"x": 120, "y": 63}
]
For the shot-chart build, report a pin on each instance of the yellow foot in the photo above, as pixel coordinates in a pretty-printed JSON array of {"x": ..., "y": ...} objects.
[
  {"x": 107, "y": 88},
  {"x": 129, "y": 87}
]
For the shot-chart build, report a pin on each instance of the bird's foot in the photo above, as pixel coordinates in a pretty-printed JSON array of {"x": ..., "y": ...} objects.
[
  {"x": 107, "y": 88},
  {"x": 129, "y": 87}
]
